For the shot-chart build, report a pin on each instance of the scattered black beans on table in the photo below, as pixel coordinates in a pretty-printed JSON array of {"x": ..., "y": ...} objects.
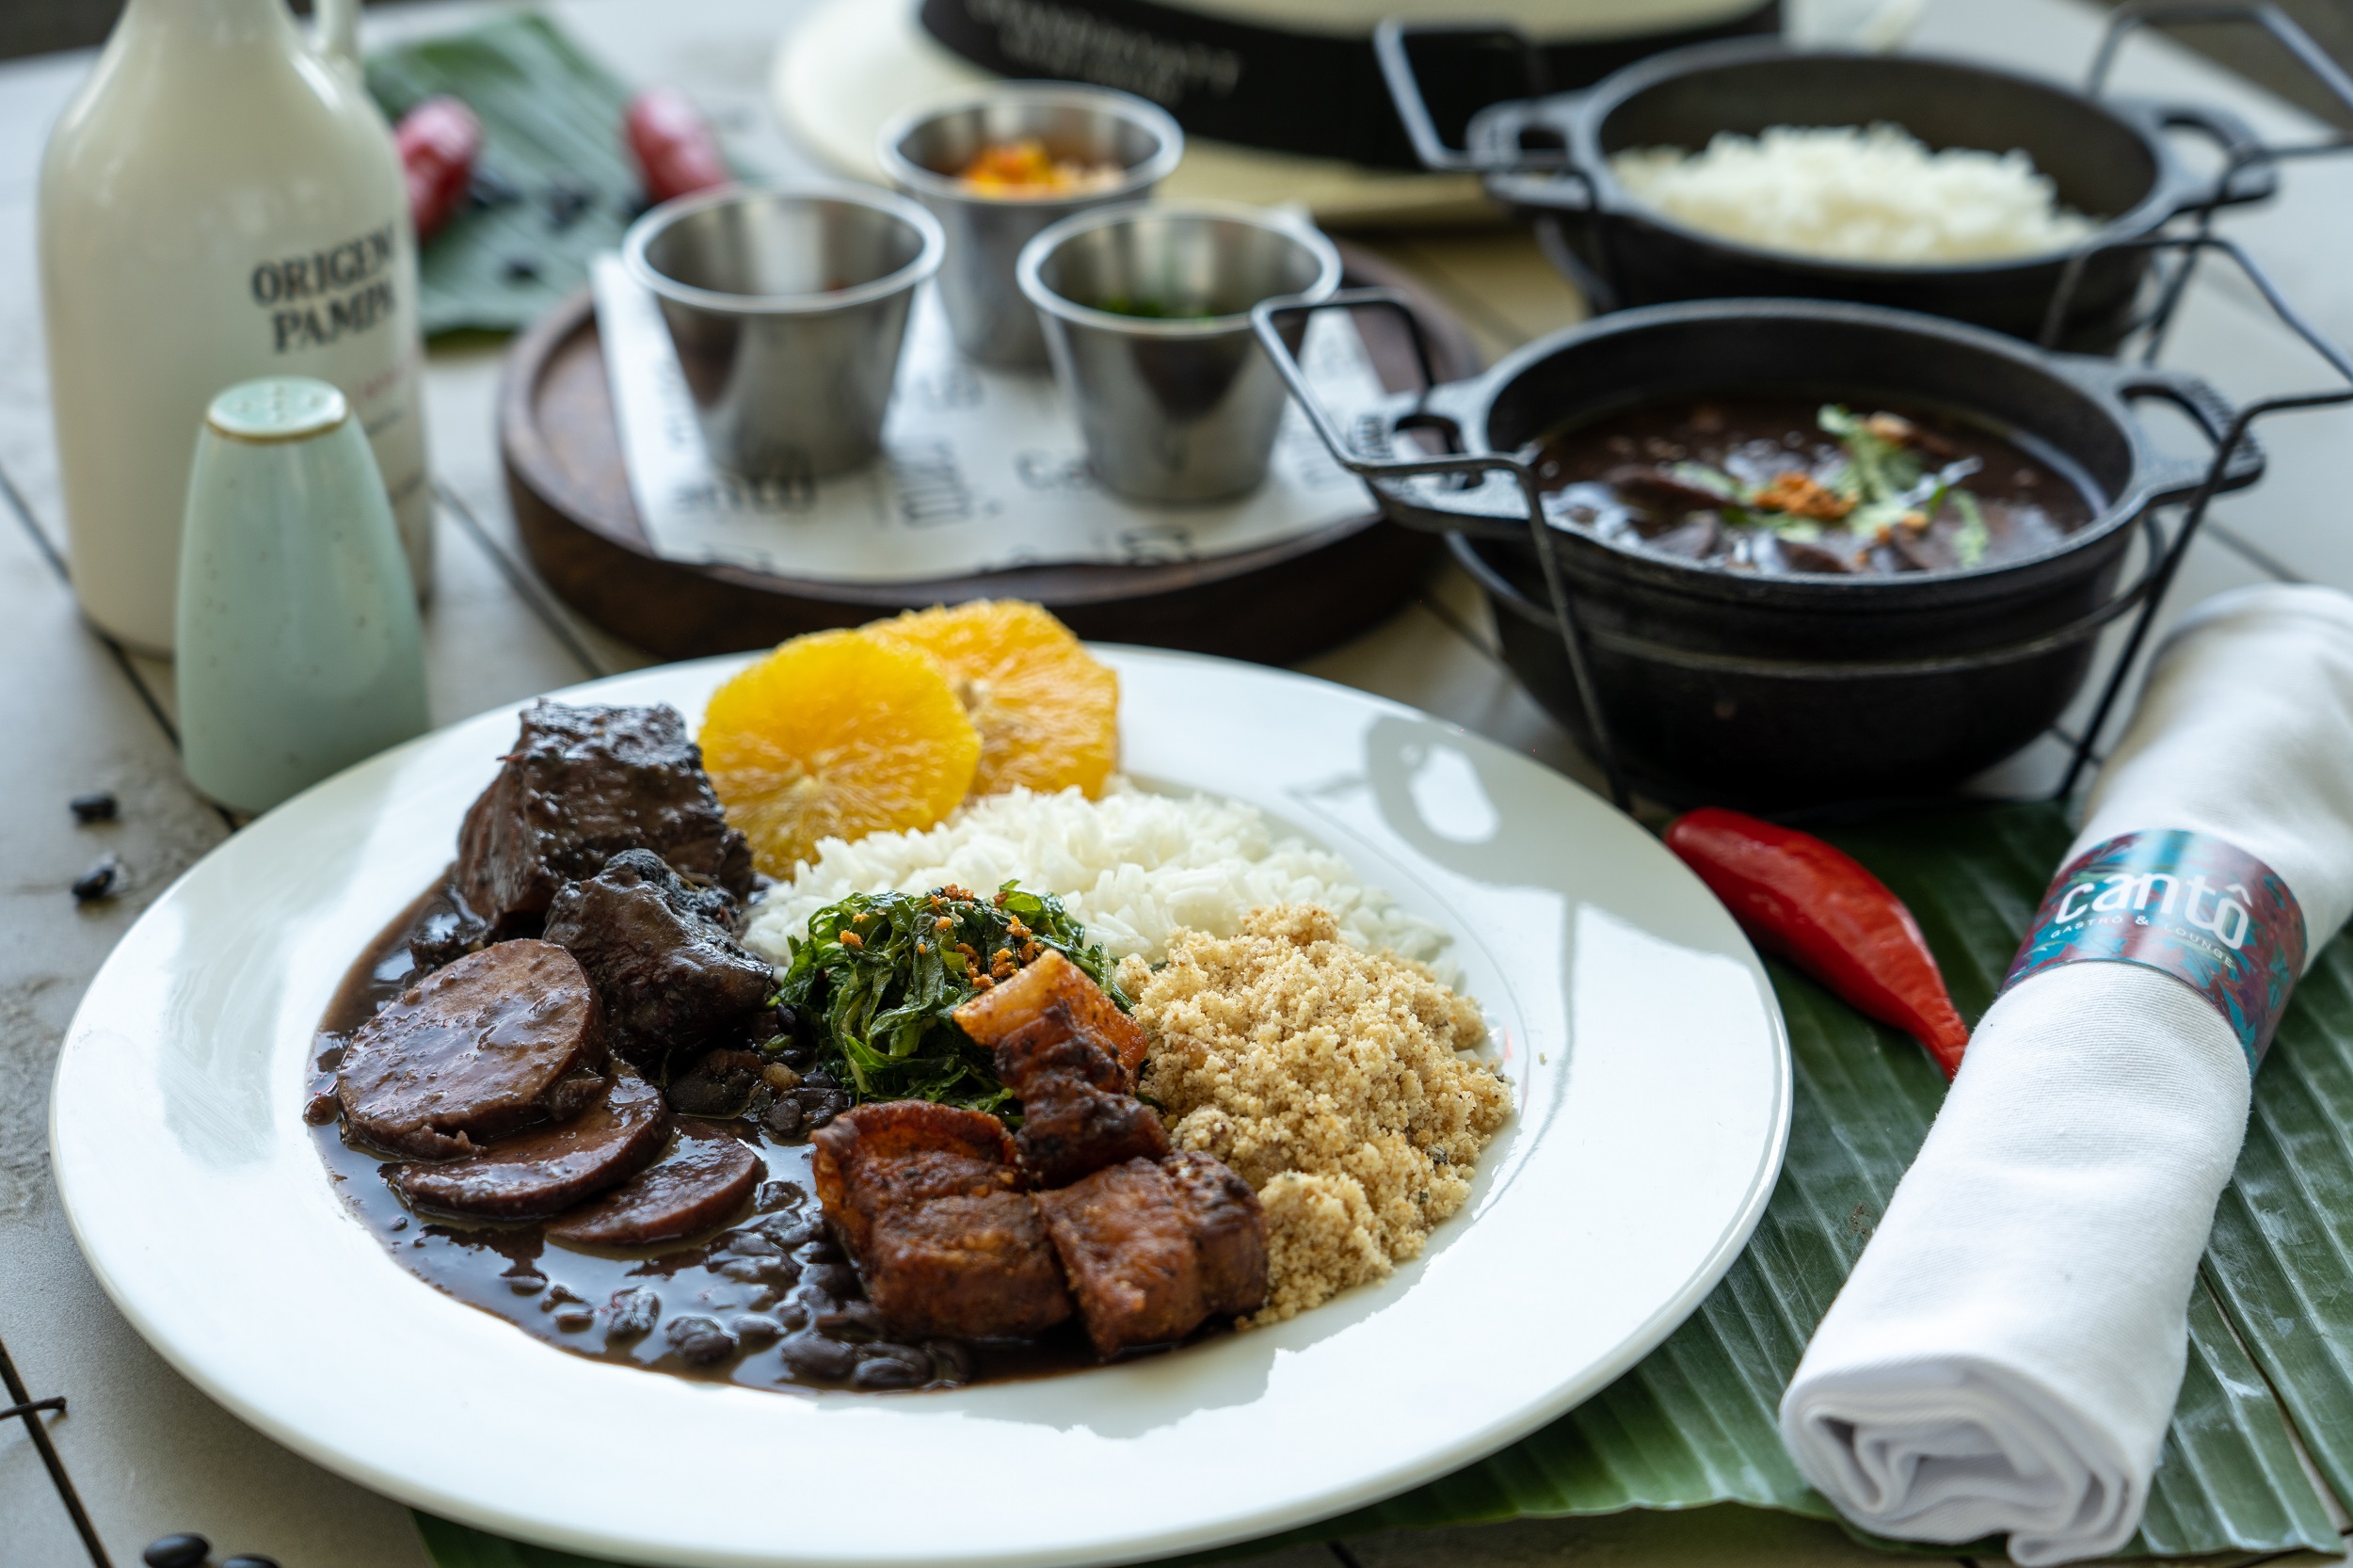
[
  {"x": 567, "y": 202},
  {"x": 98, "y": 805},
  {"x": 177, "y": 1551},
  {"x": 492, "y": 189},
  {"x": 99, "y": 881}
]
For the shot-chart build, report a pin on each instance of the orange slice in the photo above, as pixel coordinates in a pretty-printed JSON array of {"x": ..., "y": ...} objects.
[
  {"x": 837, "y": 734},
  {"x": 1047, "y": 714}
]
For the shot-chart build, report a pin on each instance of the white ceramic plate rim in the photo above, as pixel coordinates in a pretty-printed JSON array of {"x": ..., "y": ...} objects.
[{"x": 178, "y": 1085}]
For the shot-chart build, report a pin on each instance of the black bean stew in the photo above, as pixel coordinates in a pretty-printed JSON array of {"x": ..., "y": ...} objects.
[
  {"x": 763, "y": 1298},
  {"x": 1777, "y": 483}
]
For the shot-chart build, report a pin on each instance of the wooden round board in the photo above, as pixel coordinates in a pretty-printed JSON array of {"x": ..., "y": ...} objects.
[{"x": 1274, "y": 603}]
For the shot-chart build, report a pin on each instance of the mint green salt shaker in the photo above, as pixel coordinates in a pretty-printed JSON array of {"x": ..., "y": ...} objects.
[{"x": 299, "y": 651}]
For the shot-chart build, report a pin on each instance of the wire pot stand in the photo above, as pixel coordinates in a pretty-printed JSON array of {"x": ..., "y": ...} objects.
[{"x": 1369, "y": 457}]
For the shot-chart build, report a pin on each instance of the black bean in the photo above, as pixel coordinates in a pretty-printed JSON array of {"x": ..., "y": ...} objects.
[
  {"x": 489, "y": 189},
  {"x": 400, "y": 1221},
  {"x": 852, "y": 1323},
  {"x": 634, "y": 1313},
  {"x": 177, "y": 1551},
  {"x": 519, "y": 270},
  {"x": 834, "y": 1279},
  {"x": 754, "y": 1243},
  {"x": 527, "y": 1283},
  {"x": 560, "y": 1295},
  {"x": 892, "y": 1367},
  {"x": 951, "y": 1362},
  {"x": 98, "y": 806},
  {"x": 572, "y": 1319},
  {"x": 99, "y": 881},
  {"x": 748, "y": 1270},
  {"x": 779, "y": 1194},
  {"x": 786, "y": 1121},
  {"x": 566, "y": 203},
  {"x": 793, "y": 1314},
  {"x": 794, "y": 1230},
  {"x": 754, "y": 1329},
  {"x": 319, "y": 1109},
  {"x": 816, "y": 1356},
  {"x": 699, "y": 1340}
]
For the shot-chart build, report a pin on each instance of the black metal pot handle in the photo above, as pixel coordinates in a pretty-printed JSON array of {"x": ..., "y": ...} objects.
[
  {"x": 2248, "y": 172},
  {"x": 2178, "y": 478},
  {"x": 1536, "y": 532},
  {"x": 1391, "y": 46}
]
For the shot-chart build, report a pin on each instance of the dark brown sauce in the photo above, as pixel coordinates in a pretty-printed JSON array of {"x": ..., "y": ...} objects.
[
  {"x": 2029, "y": 505},
  {"x": 775, "y": 1264}
]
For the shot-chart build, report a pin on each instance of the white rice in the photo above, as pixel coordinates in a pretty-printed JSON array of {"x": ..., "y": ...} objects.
[
  {"x": 1850, "y": 193},
  {"x": 1131, "y": 868}
]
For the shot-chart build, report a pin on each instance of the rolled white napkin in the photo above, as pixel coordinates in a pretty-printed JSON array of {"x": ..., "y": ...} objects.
[{"x": 2006, "y": 1355}]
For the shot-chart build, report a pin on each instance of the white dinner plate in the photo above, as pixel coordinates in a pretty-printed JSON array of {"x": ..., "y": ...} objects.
[{"x": 1646, "y": 1054}]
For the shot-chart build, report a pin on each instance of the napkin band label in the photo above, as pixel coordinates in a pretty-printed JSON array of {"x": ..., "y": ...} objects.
[{"x": 2193, "y": 906}]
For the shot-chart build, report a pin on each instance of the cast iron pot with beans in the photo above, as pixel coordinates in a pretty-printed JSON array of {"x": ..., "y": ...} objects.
[
  {"x": 1547, "y": 158},
  {"x": 1780, "y": 687}
]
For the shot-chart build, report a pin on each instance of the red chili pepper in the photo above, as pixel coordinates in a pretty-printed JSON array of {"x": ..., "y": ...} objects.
[
  {"x": 1799, "y": 899},
  {"x": 676, "y": 152},
  {"x": 438, "y": 141}
]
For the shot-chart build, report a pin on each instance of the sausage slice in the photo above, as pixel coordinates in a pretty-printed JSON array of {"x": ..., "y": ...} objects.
[
  {"x": 497, "y": 1041},
  {"x": 545, "y": 1171}
]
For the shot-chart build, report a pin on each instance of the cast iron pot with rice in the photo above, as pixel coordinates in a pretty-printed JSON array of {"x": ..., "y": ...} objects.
[
  {"x": 1786, "y": 686},
  {"x": 1549, "y": 158}
]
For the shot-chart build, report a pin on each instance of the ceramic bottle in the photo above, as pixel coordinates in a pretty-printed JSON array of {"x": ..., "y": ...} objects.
[{"x": 219, "y": 202}]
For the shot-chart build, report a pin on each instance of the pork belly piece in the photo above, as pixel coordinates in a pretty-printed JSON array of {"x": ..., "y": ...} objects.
[
  {"x": 926, "y": 1200},
  {"x": 1127, "y": 1248},
  {"x": 582, "y": 785},
  {"x": 544, "y": 1171},
  {"x": 704, "y": 1180},
  {"x": 1078, "y": 1113},
  {"x": 497, "y": 1041},
  {"x": 661, "y": 952},
  {"x": 1228, "y": 1230},
  {"x": 998, "y": 1012}
]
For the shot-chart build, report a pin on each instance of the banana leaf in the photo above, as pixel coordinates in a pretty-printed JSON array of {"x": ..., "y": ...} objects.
[
  {"x": 2271, "y": 1322},
  {"x": 554, "y": 185}
]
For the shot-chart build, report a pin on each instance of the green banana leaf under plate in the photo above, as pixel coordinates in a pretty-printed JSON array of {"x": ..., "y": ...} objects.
[{"x": 2271, "y": 1322}]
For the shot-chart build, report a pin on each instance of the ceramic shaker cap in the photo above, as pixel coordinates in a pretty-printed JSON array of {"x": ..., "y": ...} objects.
[{"x": 278, "y": 409}]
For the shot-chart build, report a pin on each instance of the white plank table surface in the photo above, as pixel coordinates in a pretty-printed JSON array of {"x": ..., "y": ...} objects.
[{"x": 149, "y": 1453}]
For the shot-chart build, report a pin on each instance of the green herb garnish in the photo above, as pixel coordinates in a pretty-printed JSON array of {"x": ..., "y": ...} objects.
[
  {"x": 1969, "y": 543},
  {"x": 884, "y": 975}
]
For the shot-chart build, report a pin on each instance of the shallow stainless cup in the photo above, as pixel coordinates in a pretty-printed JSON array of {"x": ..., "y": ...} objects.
[
  {"x": 788, "y": 308},
  {"x": 925, "y": 153},
  {"x": 1146, "y": 312}
]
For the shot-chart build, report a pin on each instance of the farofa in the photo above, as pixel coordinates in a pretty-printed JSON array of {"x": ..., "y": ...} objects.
[{"x": 1329, "y": 1079}]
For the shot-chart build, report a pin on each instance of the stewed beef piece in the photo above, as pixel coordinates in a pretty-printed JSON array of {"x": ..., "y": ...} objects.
[
  {"x": 924, "y": 1197},
  {"x": 661, "y": 952},
  {"x": 499, "y": 1040},
  {"x": 582, "y": 785},
  {"x": 544, "y": 1171},
  {"x": 1152, "y": 1250},
  {"x": 1077, "y": 1111},
  {"x": 706, "y": 1179}
]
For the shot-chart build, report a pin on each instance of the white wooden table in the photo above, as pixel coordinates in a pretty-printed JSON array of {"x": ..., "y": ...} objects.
[{"x": 149, "y": 1453}]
